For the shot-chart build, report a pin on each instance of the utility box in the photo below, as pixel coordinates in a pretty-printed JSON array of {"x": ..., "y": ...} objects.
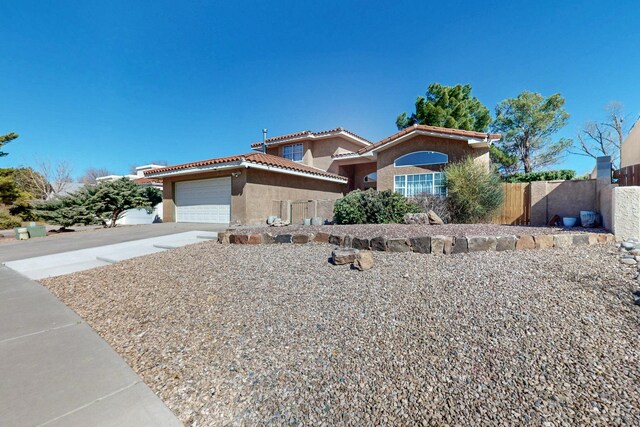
[{"x": 37, "y": 231}]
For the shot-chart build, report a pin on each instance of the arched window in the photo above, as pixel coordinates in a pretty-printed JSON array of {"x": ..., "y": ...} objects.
[
  {"x": 372, "y": 177},
  {"x": 422, "y": 158}
]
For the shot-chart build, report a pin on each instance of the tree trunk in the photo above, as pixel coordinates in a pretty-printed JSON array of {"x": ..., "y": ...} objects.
[{"x": 114, "y": 217}]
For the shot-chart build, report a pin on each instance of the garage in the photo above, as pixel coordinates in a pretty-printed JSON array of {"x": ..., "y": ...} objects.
[{"x": 204, "y": 200}]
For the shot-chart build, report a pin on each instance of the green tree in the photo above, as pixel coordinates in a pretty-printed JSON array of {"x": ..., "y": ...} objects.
[
  {"x": 527, "y": 124},
  {"x": 504, "y": 162},
  {"x": 104, "y": 203},
  {"x": 4, "y": 139},
  {"x": 450, "y": 107}
]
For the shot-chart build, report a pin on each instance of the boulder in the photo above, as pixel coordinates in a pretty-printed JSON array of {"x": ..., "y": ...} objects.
[
  {"x": 278, "y": 222},
  {"x": 506, "y": 243},
  {"x": 321, "y": 238},
  {"x": 441, "y": 244},
  {"x": 378, "y": 244},
  {"x": 239, "y": 239},
  {"x": 562, "y": 240},
  {"x": 336, "y": 239},
  {"x": 460, "y": 245},
  {"x": 525, "y": 242},
  {"x": 398, "y": 245},
  {"x": 434, "y": 219},
  {"x": 421, "y": 245},
  {"x": 223, "y": 237},
  {"x": 283, "y": 238},
  {"x": 360, "y": 243},
  {"x": 364, "y": 260},
  {"x": 482, "y": 243},
  {"x": 543, "y": 241},
  {"x": 416, "y": 218},
  {"x": 268, "y": 238},
  {"x": 301, "y": 238},
  {"x": 254, "y": 239},
  {"x": 580, "y": 240},
  {"x": 341, "y": 256}
]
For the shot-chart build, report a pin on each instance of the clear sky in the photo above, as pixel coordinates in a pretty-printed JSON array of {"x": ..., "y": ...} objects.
[{"x": 116, "y": 83}]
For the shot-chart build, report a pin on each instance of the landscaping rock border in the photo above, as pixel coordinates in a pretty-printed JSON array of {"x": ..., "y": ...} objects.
[{"x": 437, "y": 245}]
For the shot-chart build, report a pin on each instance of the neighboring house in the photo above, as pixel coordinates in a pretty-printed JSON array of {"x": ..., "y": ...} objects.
[
  {"x": 65, "y": 189},
  {"x": 310, "y": 170},
  {"x": 139, "y": 216},
  {"x": 630, "y": 149}
]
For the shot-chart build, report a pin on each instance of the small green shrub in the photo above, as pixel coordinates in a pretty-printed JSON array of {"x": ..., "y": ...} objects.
[
  {"x": 8, "y": 221},
  {"x": 563, "y": 174},
  {"x": 474, "y": 192},
  {"x": 372, "y": 207}
]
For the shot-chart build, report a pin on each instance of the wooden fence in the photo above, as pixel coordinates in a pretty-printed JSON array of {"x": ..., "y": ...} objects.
[
  {"x": 629, "y": 175},
  {"x": 516, "y": 208},
  {"x": 299, "y": 211}
]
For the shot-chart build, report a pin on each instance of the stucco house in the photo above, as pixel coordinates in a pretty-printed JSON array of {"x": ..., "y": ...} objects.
[
  {"x": 630, "y": 148},
  {"x": 302, "y": 174}
]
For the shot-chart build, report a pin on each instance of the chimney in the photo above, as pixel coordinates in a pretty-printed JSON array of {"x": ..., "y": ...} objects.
[{"x": 264, "y": 140}]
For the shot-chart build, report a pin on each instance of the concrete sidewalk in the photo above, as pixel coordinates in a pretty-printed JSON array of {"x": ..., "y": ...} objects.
[{"x": 56, "y": 371}]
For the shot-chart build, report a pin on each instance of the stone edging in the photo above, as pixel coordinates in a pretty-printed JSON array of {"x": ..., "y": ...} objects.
[{"x": 426, "y": 244}]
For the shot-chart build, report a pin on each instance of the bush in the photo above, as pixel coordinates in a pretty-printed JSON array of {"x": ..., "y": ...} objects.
[
  {"x": 474, "y": 192},
  {"x": 372, "y": 207},
  {"x": 564, "y": 174},
  {"x": 430, "y": 202},
  {"x": 8, "y": 221}
]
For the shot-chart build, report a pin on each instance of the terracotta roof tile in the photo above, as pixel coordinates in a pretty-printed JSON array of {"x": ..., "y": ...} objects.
[
  {"x": 276, "y": 139},
  {"x": 257, "y": 158}
]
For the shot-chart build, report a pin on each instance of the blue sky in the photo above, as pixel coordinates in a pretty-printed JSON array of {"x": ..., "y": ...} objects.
[{"x": 117, "y": 83}]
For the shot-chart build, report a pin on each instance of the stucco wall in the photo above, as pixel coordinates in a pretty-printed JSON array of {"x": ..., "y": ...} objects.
[
  {"x": 455, "y": 149},
  {"x": 263, "y": 188},
  {"x": 630, "y": 149},
  {"x": 317, "y": 153},
  {"x": 237, "y": 195},
  {"x": 563, "y": 198},
  {"x": 626, "y": 212}
]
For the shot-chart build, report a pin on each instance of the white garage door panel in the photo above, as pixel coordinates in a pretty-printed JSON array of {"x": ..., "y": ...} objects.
[{"x": 204, "y": 200}]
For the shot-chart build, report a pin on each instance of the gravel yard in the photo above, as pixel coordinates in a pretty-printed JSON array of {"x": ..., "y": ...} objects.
[
  {"x": 416, "y": 230},
  {"x": 274, "y": 334}
]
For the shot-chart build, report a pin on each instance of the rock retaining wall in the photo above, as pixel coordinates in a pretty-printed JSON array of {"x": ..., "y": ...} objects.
[{"x": 426, "y": 244}]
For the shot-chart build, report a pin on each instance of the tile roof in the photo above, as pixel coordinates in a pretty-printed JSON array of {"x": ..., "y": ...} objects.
[
  {"x": 279, "y": 138},
  {"x": 425, "y": 128},
  {"x": 256, "y": 158}
]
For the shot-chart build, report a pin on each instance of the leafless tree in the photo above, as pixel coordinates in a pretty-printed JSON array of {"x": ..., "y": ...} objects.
[
  {"x": 603, "y": 138},
  {"x": 47, "y": 179},
  {"x": 91, "y": 174}
]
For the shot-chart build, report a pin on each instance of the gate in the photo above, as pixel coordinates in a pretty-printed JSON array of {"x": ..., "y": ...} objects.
[
  {"x": 299, "y": 211},
  {"x": 629, "y": 175},
  {"x": 516, "y": 208}
]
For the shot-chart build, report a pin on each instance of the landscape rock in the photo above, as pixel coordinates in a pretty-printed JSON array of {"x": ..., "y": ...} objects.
[
  {"x": 434, "y": 219},
  {"x": 268, "y": 238},
  {"x": 341, "y": 256},
  {"x": 254, "y": 239},
  {"x": 580, "y": 240},
  {"x": 239, "y": 239},
  {"x": 321, "y": 238},
  {"x": 378, "y": 244},
  {"x": 482, "y": 243},
  {"x": 348, "y": 241},
  {"x": 336, "y": 239},
  {"x": 628, "y": 245},
  {"x": 302, "y": 238},
  {"x": 562, "y": 240},
  {"x": 278, "y": 222},
  {"x": 416, "y": 218},
  {"x": 421, "y": 245},
  {"x": 460, "y": 245},
  {"x": 634, "y": 252},
  {"x": 543, "y": 241},
  {"x": 283, "y": 238},
  {"x": 398, "y": 245},
  {"x": 364, "y": 260},
  {"x": 223, "y": 237},
  {"x": 441, "y": 244},
  {"x": 628, "y": 261},
  {"x": 525, "y": 242},
  {"x": 506, "y": 243},
  {"x": 359, "y": 243}
]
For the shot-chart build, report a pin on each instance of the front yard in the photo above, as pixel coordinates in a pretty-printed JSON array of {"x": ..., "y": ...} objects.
[{"x": 275, "y": 334}]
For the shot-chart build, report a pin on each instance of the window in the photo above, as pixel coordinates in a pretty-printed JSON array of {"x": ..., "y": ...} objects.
[
  {"x": 372, "y": 177},
  {"x": 292, "y": 152},
  {"x": 416, "y": 184},
  {"x": 422, "y": 158}
]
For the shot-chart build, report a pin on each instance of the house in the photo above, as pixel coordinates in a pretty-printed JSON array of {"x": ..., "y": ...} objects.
[
  {"x": 630, "y": 148},
  {"x": 139, "y": 216},
  {"x": 300, "y": 175}
]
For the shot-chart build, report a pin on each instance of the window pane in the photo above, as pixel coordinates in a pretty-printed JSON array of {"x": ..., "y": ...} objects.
[
  {"x": 292, "y": 152},
  {"x": 421, "y": 158}
]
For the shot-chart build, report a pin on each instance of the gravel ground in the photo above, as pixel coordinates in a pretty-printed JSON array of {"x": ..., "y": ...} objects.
[
  {"x": 415, "y": 230},
  {"x": 274, "y": 334}
]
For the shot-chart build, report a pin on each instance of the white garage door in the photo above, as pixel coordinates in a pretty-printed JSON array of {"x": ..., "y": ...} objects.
[{"x": 204, "y": 200}]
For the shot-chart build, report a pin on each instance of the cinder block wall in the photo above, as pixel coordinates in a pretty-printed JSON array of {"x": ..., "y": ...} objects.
[{"x": 563, "y": 198}]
